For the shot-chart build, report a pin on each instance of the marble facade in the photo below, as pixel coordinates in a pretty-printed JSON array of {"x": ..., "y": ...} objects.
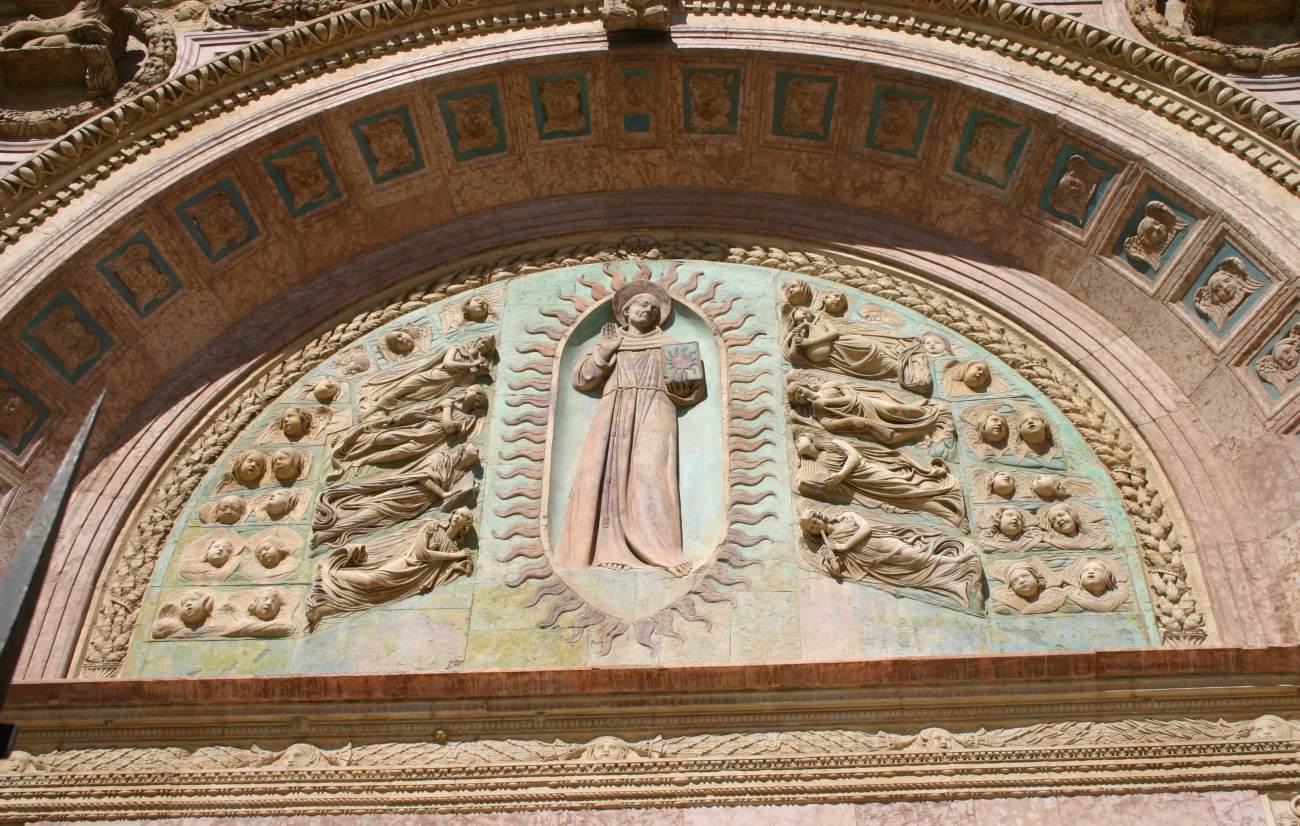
[{"x": 982, "y": 322}]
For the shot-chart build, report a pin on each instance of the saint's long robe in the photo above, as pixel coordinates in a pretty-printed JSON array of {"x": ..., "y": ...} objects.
[
  {"x": 624, "y": 507},
  {"x": 843, "y": 408}
]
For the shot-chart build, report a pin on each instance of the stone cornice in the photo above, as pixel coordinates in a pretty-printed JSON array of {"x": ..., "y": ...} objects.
[
  {"x": 1186, "y": 94},
  {"x": 1103, "y": 722}
]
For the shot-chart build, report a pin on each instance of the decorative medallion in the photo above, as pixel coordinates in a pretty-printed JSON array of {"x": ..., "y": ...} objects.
[
  {"x": 67, "y": 336},
  {"x": 388, "y": 144},
  {"x": 139, "y": 273},
  {"x": 475, "y": 125}
]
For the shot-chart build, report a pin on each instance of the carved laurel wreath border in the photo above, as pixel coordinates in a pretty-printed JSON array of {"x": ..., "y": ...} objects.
[
  {"x": 1218, "y": 110},
  {"x": 1180, "y": 620}
]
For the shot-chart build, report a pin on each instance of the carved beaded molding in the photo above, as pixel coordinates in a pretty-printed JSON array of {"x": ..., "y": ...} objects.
[
  {"x": 753, "y": 768},
  {"x": 1213, "y": 107},
  {"x": 1155, "y": 519}
]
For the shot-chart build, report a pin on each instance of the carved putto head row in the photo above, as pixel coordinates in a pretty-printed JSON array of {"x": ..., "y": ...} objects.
[
  {"x": 1068, "y": 525},
  {"x": 1096, "y": 584}
]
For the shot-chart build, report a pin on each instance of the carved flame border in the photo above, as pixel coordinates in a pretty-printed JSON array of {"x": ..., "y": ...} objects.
[
  {"x": 1153, "y": 514},
  {"x": 744, "y": 432}
]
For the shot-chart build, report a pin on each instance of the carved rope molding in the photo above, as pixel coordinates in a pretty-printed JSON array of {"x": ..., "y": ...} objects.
[
  {"x": 766, "y": 767},
  {"x": 1178, "y": 616},
  {"x": 1214, "y": 108}
]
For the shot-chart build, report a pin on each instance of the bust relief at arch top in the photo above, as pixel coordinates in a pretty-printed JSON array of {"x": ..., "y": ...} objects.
[{"x": 681, "y": 458}]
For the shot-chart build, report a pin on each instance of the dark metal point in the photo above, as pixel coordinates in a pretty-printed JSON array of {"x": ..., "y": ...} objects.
[{"x": 21, "y": 584}]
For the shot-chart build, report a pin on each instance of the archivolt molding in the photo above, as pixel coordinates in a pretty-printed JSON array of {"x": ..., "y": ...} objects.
[
  {"x": 709, "y": 769},
  {"x": 1184, "y": 93},
  {"x": 1155, "y": 518}
]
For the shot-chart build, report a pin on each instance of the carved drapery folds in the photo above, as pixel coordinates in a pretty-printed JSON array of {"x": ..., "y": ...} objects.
[{"x": 336, "y": 479}]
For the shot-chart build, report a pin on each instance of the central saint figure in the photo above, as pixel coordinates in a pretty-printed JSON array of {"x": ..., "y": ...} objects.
[{"x": 624, "y": 509}]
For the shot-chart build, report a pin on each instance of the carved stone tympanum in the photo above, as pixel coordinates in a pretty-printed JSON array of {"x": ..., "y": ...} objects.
[{"x": 656, "y": 419}]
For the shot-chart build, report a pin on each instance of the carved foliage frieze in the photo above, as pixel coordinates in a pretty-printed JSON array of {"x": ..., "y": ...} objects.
[{"x": 737, "y": 767}]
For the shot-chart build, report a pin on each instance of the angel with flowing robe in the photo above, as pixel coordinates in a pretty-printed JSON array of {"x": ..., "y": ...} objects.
[
  {"x": 819, "y": 339},
  {"x": 851, "y": 546},
  {"x": 408, "y": 434},
  {"x": 429, "y": 377},
  {"x": 878, "y": 476},
  {"x": 350, "y": 580},
  {"x": 841, "y": 407},
  {"x": 376, "y": 502}
]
